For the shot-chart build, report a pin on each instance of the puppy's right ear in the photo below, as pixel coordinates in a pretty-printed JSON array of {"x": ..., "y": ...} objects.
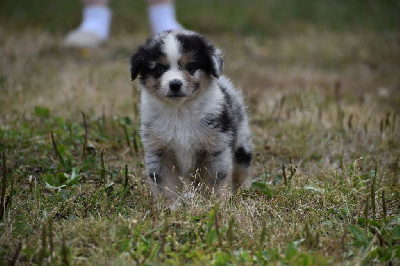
[{"x": 135, "y": 65}]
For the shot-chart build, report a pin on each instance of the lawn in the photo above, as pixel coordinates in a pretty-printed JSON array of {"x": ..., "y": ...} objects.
[{"x": 321, "y": 79}]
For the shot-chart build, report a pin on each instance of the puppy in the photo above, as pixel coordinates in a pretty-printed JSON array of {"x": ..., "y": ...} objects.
[{"x": 194, "y": 125}]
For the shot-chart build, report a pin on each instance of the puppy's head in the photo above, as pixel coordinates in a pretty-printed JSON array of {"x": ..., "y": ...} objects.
[{"x": 176, "y": 66}]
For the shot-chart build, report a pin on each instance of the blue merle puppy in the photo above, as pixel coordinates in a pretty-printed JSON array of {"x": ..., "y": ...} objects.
[{"x": 194, "y": 125}]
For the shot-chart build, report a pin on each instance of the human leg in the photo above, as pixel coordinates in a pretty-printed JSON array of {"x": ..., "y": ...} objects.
[
  {"x": 161, "y": 15},
  {"x": 96, "y": 20}
]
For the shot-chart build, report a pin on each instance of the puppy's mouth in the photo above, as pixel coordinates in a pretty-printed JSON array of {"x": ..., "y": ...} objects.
[{"x": 175, "y": 95}]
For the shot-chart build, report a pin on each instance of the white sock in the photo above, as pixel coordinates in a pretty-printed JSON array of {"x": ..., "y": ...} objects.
[
  {"x": 96, "y": 19},
  {"x": 162, "y": 17}
]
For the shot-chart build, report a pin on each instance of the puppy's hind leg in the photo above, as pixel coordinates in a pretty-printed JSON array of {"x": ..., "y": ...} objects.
[{"x": 242, "y": 162}]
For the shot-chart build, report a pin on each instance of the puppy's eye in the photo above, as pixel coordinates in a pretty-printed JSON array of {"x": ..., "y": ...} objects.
[
  {"x": 190, "y": 68},
  {"x": 160, "y": 68}
]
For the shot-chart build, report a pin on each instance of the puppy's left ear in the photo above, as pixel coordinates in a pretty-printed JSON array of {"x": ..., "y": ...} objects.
[
  {"x": 135, "y": 63},
  {"x": 217, "y": 63}
]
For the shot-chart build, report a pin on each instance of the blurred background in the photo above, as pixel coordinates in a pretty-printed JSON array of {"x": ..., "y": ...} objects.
[{"x": 255, "y": 17}]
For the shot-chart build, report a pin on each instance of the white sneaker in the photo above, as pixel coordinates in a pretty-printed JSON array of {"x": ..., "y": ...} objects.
[{"x": 85, "y": 39}]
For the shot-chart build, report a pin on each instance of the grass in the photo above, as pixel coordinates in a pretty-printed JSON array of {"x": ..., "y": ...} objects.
[{"x": 323, "y": 96}]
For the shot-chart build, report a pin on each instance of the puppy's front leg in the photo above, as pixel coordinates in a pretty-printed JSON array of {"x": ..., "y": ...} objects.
[
  {"x": 163, "y": 174},
  {"x": 216, "y": 171}
]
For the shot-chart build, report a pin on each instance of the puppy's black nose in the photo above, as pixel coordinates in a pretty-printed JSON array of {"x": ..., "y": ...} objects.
[{"x": 175, "y": 85}]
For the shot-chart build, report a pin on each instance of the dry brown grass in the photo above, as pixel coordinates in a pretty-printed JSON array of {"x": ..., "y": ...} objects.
[{"x": 38, "y": 71}]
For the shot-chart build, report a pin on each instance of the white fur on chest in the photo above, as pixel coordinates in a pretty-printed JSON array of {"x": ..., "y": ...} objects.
[{"x": 180, "y": 128}]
